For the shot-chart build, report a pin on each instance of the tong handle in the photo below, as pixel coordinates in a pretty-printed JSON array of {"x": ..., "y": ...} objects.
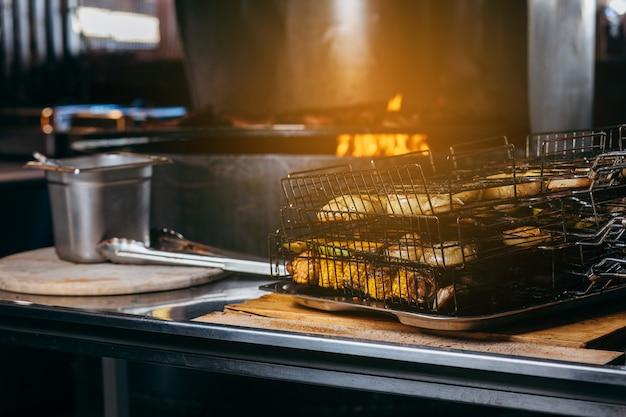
[{"x": 133, "y": 252}]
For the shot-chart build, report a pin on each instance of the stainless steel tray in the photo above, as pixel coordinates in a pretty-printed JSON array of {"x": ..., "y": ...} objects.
[{"x": 335, "y": 303}]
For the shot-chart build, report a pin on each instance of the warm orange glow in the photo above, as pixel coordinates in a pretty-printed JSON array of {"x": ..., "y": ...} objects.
[
  {"x": 395, "y": 103},
  {"x": 381, "y": 144}
]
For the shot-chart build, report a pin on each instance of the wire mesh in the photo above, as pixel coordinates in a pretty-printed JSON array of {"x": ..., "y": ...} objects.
[{"x": 488, "y": 234}]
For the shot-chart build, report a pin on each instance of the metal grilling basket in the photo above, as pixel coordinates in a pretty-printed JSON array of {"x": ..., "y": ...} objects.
[{"x": 491, "y": 236}]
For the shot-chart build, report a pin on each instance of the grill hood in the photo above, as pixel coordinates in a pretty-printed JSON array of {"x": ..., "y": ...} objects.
[{"x": 512, "y": 63}]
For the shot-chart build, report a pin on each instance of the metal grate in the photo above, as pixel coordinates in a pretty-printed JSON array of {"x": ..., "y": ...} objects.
[
  {"x": 479, "y": 239},
  {"x": 608, "y": 138}
]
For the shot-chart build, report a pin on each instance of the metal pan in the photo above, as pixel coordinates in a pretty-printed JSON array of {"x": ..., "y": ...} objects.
[{"x": 441, "y": 322}]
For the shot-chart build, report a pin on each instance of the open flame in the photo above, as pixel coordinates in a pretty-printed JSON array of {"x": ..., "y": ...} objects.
[
  {"x": 395, "y": 103},
  {"x": 381, "y": 144}
]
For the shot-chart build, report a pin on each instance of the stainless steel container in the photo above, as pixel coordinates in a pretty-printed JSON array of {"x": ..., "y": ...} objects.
[{"x": 97, "y": 197}]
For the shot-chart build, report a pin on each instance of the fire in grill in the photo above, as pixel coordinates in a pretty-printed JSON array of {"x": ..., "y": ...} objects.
[
  {"x": 488, "y": 234},
  {"x": 383, "y": 144}
]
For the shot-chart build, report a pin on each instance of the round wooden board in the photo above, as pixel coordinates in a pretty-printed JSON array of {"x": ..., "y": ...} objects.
[{"x": 40, "y": 271}]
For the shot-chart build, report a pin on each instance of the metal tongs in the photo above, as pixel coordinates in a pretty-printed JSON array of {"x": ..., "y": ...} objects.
[{"x": 185, "y": 253}]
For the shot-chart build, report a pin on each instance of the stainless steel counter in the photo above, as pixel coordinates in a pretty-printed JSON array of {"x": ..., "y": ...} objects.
[{"x": 159, "y": 330}]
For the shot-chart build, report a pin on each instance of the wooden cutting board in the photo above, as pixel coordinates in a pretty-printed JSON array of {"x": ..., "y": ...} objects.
[{"x": 41, "y": 272}]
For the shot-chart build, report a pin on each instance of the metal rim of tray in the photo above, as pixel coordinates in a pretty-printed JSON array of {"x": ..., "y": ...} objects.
[{"x": 440, "y": 322}]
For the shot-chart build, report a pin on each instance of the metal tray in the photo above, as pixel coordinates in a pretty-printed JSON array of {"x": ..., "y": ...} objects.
[{"x": 336, "y": 303}]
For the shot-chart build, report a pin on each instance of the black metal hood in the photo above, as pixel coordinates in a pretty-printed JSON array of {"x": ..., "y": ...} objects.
[{"x": 455, "y": 58}]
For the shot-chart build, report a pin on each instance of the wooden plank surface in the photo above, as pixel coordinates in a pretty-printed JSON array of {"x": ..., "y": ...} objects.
[
  {"x": 280, "y": 312},
  {"x": 41, "y": 272},
  {"x": 597, "y": 326}
]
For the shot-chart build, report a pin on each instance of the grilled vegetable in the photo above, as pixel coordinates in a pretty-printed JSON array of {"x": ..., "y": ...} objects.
[
  {"x": 380, "y": 283},
  {"x": 346, "y": 248},
  {"x": 351, "y": 207},
  {"x": 312, "y": 269}
]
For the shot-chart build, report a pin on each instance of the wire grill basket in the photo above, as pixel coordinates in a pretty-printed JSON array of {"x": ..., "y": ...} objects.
[{"x": 489, "y": 233}]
